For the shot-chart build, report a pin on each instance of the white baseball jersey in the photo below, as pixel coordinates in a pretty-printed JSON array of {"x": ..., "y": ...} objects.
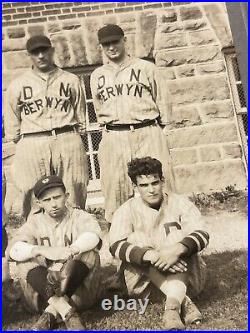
[
  {"x": 129, "y": 94},
  {"x": 36, "y": 103},
  {"x": 136, "y": 227},
  {"x": 40, "y": 229}
]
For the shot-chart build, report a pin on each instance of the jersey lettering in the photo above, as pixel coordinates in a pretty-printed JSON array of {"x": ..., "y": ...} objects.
[
  {"x": 66, "y": 92},
  {"x": 68, "y": 241},
  {"x": 170, "y": 226},
  {"x": 45, "y": 241},
  {"x": 27, "y": 92},
  {"x": 133, "y": 74}
]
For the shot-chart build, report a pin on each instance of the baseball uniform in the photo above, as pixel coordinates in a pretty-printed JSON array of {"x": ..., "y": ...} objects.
[
  {"x": 41, "y": 230},
  {"x": 43, "y": 113},
  {"x": 125, "y": 96},
  {"x": 137, "y": 227}
]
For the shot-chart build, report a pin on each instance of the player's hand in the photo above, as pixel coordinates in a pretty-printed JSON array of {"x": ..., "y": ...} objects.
[
  {"x": 53, "y": 253},
  {"x": 151, "y": 256},
  {"x": 179, "y": 267},
  {"x": 170, "y": 256}
]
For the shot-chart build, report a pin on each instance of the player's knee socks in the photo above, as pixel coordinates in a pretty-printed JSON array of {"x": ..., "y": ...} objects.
[
  {"x": 176, "y": 289},
  {"x": 172, "y": 285},
  {"x": 37, "y": 278},
  {"x": 76, "y": 272}
]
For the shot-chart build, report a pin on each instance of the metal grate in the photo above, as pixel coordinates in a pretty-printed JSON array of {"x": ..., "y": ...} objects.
[
  {"x": 93, "y": 136},
  {"x": 239, "y": 100}
]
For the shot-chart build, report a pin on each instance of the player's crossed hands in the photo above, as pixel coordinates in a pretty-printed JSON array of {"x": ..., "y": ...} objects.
[{"x": 167, "y": 259}]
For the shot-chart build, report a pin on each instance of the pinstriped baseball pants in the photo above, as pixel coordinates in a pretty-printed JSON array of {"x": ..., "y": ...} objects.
[
  {"x": 63, "y": 155},
  {"x": 117, "y": 148}
]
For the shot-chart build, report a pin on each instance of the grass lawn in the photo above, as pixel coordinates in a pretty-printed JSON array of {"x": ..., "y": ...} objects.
[{"x": 223, "y": 303}]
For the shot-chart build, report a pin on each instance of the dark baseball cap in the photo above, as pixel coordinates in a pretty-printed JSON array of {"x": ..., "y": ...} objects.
[
  {"x": 37, "y": 41},
  {"x": 110, "y": 33},
  {"x": 47, "y": 182}
]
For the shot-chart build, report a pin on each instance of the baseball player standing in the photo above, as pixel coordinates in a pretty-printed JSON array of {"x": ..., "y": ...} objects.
[
  {"x": 45, "y": 115},
  {"x": 130, "y": 107},
  {"x": 57, "y": 258},
  {"x": 157, "y": 237}
]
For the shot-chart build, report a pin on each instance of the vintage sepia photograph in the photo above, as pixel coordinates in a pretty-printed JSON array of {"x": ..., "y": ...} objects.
[{"x": 124, "y": 166}]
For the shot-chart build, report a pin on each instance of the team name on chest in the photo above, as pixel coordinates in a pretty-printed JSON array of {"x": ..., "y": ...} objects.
[
  {"x": 134, "y": 84},
  {"x": 60, "y": 100}
]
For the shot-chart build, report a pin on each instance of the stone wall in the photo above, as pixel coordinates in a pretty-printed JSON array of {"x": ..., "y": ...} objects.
[{"x": 185, "y": 39}]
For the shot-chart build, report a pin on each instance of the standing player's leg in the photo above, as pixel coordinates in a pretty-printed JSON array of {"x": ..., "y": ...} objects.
[
  {"x": 31, "y": 162},
  {"x": 114, "y": 154},
  {"x": 69, "y": 161}
]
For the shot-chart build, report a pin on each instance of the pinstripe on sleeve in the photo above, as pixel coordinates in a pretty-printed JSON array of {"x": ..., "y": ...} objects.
[
  {"x": 196, "y": 241},
  {"x": 128, "y": 252}
]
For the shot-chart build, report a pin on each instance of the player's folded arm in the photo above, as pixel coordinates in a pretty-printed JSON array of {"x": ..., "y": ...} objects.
[
  {"x": 195, "y": 242},
  {"x": 128, "y": 252},
  {"x": 87, "y": 241}
]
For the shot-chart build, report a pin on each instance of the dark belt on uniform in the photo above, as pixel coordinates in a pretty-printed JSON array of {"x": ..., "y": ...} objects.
[
  {"x": 53, "y": 132},
  {"x": 130, "y": 127}
]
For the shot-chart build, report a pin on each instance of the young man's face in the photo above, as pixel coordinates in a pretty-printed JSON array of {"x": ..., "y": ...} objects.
[
  {"x": 115, "y": 51},
  {"x": 53, "y": 202},
  {"x": 43, "y": 58},
  {"x": 150, "y": 188}
]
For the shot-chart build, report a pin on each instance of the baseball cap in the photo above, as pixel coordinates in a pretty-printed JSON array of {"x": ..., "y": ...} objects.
[
  {"x": 37, "y": 41},
  {"x": 110, "y": 33},
  {"x": 47, "y": 182}
]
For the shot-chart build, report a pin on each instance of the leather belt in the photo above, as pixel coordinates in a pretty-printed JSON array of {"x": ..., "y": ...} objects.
[
  {"x": 53, "y": 132},
  {"x": 130, "y": 127}
]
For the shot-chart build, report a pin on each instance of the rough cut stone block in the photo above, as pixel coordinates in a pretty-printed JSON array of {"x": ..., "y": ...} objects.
[
  {"x": 204, "y": 177},
  {"x": 110, "y": 19},
  {"x": 166, "y": 28},
  {"x": 165, "y": 41},
  {"x": 62, "y": 52},
  {"x": 190, "y": 13},
  {"x": 183, "y": 156},
  {"x": 127, "y": 18},
  {"x": 78, "y": 48},
  {"x": 18, "y": 32},
  {"x": 146, "y": 28},
  {"x": 199, "y": 89},
  {"x": 218, "y": 19},
  {"x": 168, "y": 16},
  {"x": 91, "y": 26},
  {"x": 192, "y": 55},
  {"x": 185, "y": 116},
  {"x": 232, "y": 150},
  {"x": 195, "y": 24},
  {"x": 185, "y": 71},
  {"x": 202, "y": 37},
  {"x": 216, "y": 111},
  {"x": 8, "y": 76},
  {"x": 166, "y": 73},
  {"x": 8, "y": 45},
  {"x": 210, "y": 153},
  {"x": 71, "y": 24},
  {"x": 212, "y": 68},
  {"x": 16, "y": 60},
  {"x": 54, "y": 27},
  {"x": 203, "y": 134},
  {"x": 35, "y": 30}
]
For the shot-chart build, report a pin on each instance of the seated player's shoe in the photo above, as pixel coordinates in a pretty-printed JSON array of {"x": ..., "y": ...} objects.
[
  {"x": 171, "y": 317},
  {"x": 73, "y": 322},
  {"x": 46, "y": 322},
  {"x": 190, "y": 312}
]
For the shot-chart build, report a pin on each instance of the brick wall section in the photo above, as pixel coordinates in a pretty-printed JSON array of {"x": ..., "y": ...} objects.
[
  {"x": 185, "y": 39},
  {"x": 14, "y": 14}
]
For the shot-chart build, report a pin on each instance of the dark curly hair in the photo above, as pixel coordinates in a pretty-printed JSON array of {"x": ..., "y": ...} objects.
[{"x": 144, "y": 166}]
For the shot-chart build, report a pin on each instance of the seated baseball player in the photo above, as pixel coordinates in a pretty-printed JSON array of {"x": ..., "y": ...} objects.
[
  {"x": 157, "y": 237},
  {"x": 57, "y": 258}
]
